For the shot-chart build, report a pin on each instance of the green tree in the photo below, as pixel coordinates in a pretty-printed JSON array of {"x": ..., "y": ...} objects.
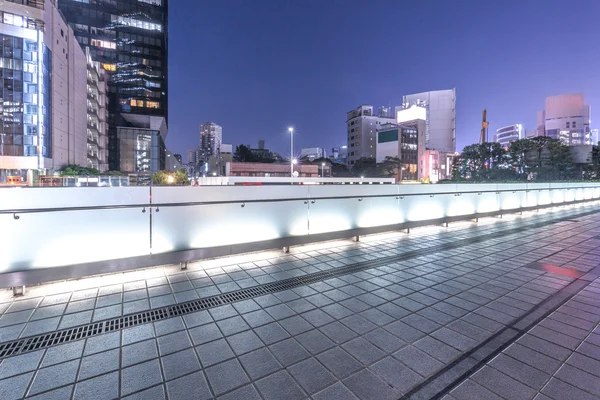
[
  {"x": 390, "y": 167},
  {"x": 243, "y": 154},
  {"x": 366, "y": 167},
  {"x": 560, "y": 164},
  {"x": 77, "y": 170},
  {"x": 178, "y": 177},
  {"x": 592, "y": 171}
]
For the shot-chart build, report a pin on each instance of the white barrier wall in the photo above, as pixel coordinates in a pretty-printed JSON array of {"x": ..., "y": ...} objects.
[{"x": 50, "y": 227}]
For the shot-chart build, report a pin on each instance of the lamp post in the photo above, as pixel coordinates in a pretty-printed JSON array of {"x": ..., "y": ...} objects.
[
  {"x": 291, "y": 151},
  {"x": 401, "y": 169},
  {"x": 322, "y": 170}
]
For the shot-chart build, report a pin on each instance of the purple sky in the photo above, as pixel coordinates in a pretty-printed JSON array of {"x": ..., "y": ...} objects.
[{"x": 256, "y": 67}]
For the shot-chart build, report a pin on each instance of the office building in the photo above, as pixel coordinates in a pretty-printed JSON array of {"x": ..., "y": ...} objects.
[
  {"x": 438, "y": 108},
  {"x": 567, "y": 118},
  {"x": 211, "y": 137},
  {"x": 43, "y": 92},
  {"x": 141, "y": 144},
  {"x": 595, "y": 137},
  {"x": 362, "y": 125},
  {"x": 129, "y": 39},
  {"x": 269, "y": 170},
  {"x": 97, "y": 115},
  {"x": 312, "y": 153},
  {"x": 508, "y": 134}
]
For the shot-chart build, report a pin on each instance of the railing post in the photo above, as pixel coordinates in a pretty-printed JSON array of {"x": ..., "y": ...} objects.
[
  {"x": 19, "y": 291},
  {"x": 286, "y": 249}
]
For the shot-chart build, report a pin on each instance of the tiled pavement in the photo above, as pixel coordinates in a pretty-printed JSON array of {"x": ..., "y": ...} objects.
[
  {"x": 558, "y": 359},
  {"x": 373, "y": 334}
]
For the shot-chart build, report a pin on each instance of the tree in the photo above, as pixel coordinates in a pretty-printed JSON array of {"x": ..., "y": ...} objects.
[
  {"x": 179, "y": 177},
  {"x": 390, "y": 167},
  {"x": 243, "y": 154},
  {"x": 592, "y": 171},
  {"x": 366, "y": 167},
  {"x": 77, "y": 170}
]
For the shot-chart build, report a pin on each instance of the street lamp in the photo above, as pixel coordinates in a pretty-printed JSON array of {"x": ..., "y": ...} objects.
[
  {"x": 291, "y": 151},
  {"x": 401, "y": 169},
  {"x": 322, "y": 170}
]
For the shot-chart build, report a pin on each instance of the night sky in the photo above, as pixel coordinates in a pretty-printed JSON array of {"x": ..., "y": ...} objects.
[{"x": 256, "y": 67}]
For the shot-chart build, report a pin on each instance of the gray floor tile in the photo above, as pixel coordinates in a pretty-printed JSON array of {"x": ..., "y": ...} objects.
[
  {"x": 173, "y": 342},
  {"x": 193, "y": 386},
  {"x": 226, "y": 376},
  {"x": 231, "y": 326},
  {"x": 179, "y": 364},
  {"x": 48, "y": 312},
  {"x": 338, "y": 332},
  {"x": 154, "y": 393},
  {"x": 244, "y": 342},
  {"x": 259, "y": 363},
  {"x": 222, "y": 312},
  {"x": 365, "y": 385},
  {"x": 522, "y": 372},
  {"x": 335, "y": 392},
  {"x": 76, "y": 319},
  {"x": 139, "y": 377},
  {"x": 279, "y": 386},
  {"x": 363, "y": 351},
  {"x": 257, "y": 318},
  {"x": 99, "y": 388},
  {"x": 21, "y": 363},
  {"x": 339, "y": 362},
  {"x": 397, "y": 375},
  {"x": 288, "y": 352},
  {"x": 469, "y": 390},
  {"x": 418, "y": 360},
  {"x": 311, "y": 375},
  {"x": 102, "y": 342},
  {"x": 295, "y": 325},
  {"x": 559, "y": 390},
  {"x": 107, "y": 312},
  {"x": 100, "y": 363},
  {"x": 437, "y": 349},
  {"x": 136, "y": 306},
  {"x": 11, "y": 332},
  {"x": 138, "y": 352},
  {"x": 271, "y": 333},
  {"x": 14, "y": 388},
  {"x": 40, "y": 326},
  {"x": 63, "y": 352},
  {"x": 198, "y": 318},
  {"x": 54, "y": 376},
  {"x": 384, "y": 340},
  {"x": 502, "y": 384},
  {"x": 214, "y": 352},
  {"x": 314, "y": 341},
  {"x": 205, "y": 333}
]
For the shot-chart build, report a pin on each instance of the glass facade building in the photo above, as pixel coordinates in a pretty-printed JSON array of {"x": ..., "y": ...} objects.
[
  {"x": 129, "y": 39},
  {"x": 142, "y": 150},
  {"x": 25, "y": 91}
]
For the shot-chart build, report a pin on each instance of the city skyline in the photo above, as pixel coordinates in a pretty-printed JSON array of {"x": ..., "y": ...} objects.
[{"x": 291, "y": 65}]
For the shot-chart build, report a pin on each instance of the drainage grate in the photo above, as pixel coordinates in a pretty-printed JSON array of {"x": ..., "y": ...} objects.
[{"x": 68, "y": 335}]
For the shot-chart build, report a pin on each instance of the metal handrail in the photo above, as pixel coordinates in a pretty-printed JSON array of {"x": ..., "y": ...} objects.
[{"x": 398, "y": 196}]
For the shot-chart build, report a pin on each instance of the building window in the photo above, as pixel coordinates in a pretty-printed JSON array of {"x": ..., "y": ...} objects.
[
  {"x": 152, "y": 104},
  {"x": 574, "y": 124}
]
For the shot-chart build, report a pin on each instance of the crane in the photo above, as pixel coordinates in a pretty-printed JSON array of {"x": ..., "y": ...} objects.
[{"x": 484, "y": 126}]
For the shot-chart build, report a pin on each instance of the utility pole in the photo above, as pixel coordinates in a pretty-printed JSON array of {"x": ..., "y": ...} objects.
[{"x": 484, "y": 127}]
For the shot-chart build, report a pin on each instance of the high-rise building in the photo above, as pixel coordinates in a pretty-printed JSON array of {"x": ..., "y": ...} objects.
[
  {"x": 129, "y": 39},
  {"x": 362, "y": 125},
  {"x": 97, "y": 115},
  {"x": 567, "y": 118},
  {"x": 211, "y": 137},
  {"x": 508, "y": 134},
  {"x": 42, "y": 93},
  {"x": 439, "y": 109}
]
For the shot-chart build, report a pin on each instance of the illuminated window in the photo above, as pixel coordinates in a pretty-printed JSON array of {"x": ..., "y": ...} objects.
[
  {"x": 109, "y": 67},
  {"x": 152, "y": 104},
  {"x": 104, "y": 44}
]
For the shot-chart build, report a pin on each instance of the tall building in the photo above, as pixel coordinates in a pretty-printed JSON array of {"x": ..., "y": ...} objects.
[
  {"x": 43, "y": 92},
  {"x": 567, "y": 118},
  {"x": 129, "y": 39},
  {"x": 508, "y": 134},
  {"x": 211, "y": 137},
  {"x": 97, "y": 115},
  {"x": 362, "y": 125},
  {"x": 439, "y": 109}
]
